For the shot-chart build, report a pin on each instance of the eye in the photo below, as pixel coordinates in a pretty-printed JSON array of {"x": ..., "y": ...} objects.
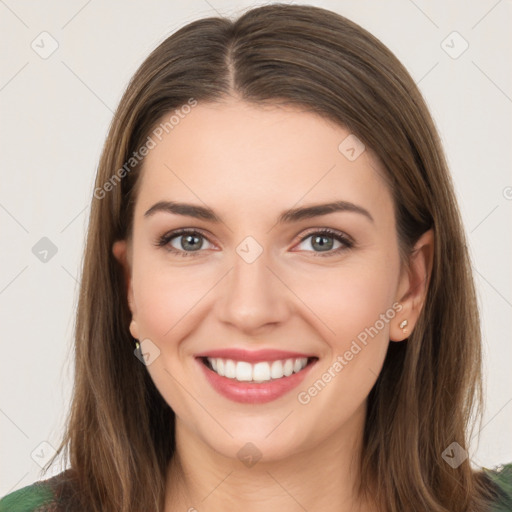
[
  {"x": 190, "y": 242},
  {"x": 183, "y": 242},
  {"x": 325, "y": 239}
]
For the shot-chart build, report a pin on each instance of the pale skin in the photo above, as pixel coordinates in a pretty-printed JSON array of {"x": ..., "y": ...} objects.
[{"x": 249, "y": 164}]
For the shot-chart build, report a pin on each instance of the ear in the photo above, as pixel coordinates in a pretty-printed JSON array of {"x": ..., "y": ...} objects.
[
  {"x": 413, "y": 286},
  {"x": 122, "y": 252}
]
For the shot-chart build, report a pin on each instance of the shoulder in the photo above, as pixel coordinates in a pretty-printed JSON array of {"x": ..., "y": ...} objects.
[
  {"x": 41, "y": 496},
  {"x": 35, "y": 497},
  {"x": 500, "y": 478}
]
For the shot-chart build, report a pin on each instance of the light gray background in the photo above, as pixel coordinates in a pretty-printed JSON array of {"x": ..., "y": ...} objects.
[{"x": 55, "y": 113}]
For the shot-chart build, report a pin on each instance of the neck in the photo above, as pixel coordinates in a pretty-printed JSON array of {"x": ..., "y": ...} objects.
[{"x": 323, "y": 477}]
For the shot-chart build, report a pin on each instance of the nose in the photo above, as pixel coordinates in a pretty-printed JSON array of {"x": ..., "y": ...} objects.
[{"x": 252, "y": 297}]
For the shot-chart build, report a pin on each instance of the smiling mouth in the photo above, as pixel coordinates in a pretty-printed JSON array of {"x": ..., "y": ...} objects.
[{"x": 262, "y": 371}]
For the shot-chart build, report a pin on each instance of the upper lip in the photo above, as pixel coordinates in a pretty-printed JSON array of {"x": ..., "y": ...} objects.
[{"x": 252, "y": 356}]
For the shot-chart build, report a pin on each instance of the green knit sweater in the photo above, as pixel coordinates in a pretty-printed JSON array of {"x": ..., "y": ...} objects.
[{"x": 41, "y": 496}]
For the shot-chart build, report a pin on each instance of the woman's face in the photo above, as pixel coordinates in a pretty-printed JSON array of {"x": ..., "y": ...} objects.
[{"x": 257, "y": 290}]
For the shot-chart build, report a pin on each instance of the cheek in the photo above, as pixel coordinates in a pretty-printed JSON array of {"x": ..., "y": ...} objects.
[
  {"x": 167, "y": 302},
  {"x": 366, "y": 298},
  {"x": 351, "y": 298},
  {"x": 164, "y": 296},
  {"x": 357, "y": 305}
]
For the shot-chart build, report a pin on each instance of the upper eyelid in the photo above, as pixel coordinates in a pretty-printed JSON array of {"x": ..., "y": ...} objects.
[{"x": 175, "y": 233}]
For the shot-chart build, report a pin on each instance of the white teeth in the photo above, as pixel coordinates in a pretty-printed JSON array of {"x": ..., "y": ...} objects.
[
  {"x": 230, "y": 369},
  {"x": 220, "y": 367},
  {"x": 261, "y": 371},
  {"x": 243, "y": 371},
  {"x": 276, "y": 372},
  {"x": 288, "y": 367},
  {"x": 297, "y": 365},
  {"x": 258, "y": 372}
]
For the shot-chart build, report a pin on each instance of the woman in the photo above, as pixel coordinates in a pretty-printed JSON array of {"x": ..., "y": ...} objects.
[{"x": 276, "y": 306}]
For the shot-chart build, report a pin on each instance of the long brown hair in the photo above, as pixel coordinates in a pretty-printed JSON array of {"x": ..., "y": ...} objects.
[{"x": 120, "y": 434}]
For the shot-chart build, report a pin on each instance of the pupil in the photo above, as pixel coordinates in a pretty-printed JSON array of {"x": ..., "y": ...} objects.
[
  {"x": 322, "y": 242},
  {"x": 186, "y": 244}
]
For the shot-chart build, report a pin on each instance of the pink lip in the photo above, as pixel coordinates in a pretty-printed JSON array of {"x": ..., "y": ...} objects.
[
  {"x": 252, "y": 356},
  {"x": 253, "y": 393}
]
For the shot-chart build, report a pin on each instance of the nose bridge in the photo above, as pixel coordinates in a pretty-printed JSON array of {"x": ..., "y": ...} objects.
[{"x": 252, "y": 295}]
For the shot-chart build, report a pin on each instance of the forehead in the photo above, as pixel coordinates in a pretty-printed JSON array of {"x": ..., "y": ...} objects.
[{"x": 235, "y": 152}]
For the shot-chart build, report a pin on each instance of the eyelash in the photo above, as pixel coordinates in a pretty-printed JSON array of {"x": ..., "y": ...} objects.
[{"x": 164, "y": 240}]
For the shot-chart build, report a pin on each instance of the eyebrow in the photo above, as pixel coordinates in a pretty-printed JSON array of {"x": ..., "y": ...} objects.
[{"x": 288, "y": 216}]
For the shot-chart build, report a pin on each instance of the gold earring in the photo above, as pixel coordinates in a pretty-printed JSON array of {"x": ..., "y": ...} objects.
[{"x": 403, "y": 326}]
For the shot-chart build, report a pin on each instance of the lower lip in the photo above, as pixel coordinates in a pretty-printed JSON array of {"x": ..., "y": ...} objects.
[{"x": 254, "y": 393}]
